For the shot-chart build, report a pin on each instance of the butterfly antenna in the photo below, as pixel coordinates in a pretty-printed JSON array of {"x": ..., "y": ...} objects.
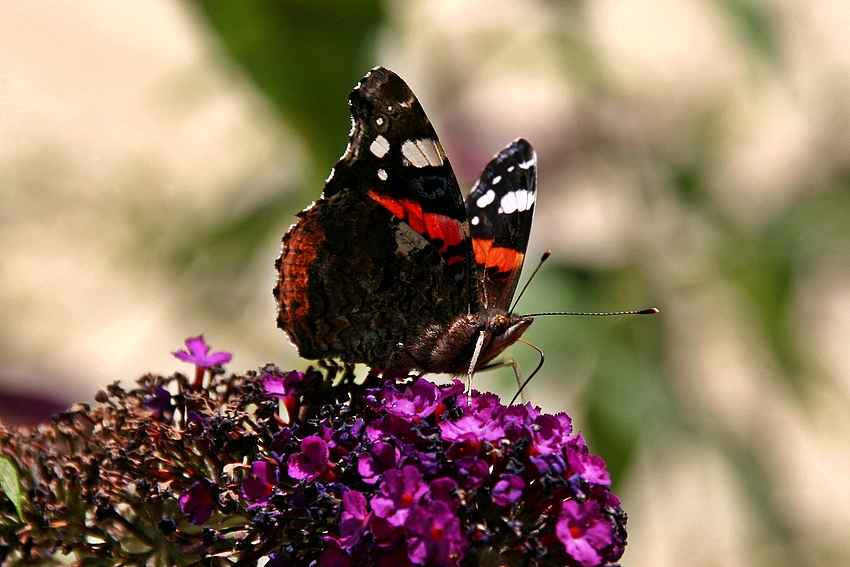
[
  {"x": 650, "y": 311},
  {"x": 530, "y": 376},
  {"x": 534, "y": 273}
]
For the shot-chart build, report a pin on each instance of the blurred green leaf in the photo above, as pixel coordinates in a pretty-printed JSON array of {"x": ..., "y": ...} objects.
[
  {"x": 626, "y": 402},
  {"x": 757, "y": 26},
  {"x": 10, "y": 482},
  {"x": 766, "y": 266},
  {"x": 305, "y": 55}
]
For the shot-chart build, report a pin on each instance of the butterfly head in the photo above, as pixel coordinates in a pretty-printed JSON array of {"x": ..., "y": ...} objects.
[
  {"x": 502, "y": 329},
  {"x": 450, "y": 349}
]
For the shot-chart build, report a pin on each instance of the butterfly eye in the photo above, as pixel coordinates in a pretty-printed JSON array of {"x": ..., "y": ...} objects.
[{"x": 499, "y": 324}]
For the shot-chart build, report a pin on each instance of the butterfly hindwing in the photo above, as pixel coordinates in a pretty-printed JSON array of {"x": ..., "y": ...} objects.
[
  {"x": 345, "y": 291},
  {"x": 500, "y": 209}
]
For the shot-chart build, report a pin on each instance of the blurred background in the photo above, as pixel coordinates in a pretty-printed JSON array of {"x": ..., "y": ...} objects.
[{"x": 694, "y": 155}]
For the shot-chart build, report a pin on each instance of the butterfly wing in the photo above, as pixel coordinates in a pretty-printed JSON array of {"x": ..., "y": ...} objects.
[
  {"x": 500, "y": 208},
  {"x": 354, "y": 282},
  {"x": 395, "y": 157},
  {"x": 386, "y": 251}
]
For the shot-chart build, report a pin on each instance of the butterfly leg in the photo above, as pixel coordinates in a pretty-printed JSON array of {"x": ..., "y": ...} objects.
[{"x": 510, "y": 361}]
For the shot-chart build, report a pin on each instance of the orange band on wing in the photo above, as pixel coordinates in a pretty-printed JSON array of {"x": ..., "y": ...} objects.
[
  {"x": 408, "y": 211},
  {"x": 430, "y": 225},
  {"x": 503, "y": 260},
  {"x": 299, "y": 253}
]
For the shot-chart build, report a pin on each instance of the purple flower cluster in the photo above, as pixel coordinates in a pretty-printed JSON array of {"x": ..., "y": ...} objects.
[
  {"x": 306, "y": 469},
  {"x": 405, "y": 519},
  {"x": 409, "y": 473}
]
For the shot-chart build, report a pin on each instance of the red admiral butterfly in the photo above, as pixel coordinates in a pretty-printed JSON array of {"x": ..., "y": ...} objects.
[{"x": 391, "y": 267}]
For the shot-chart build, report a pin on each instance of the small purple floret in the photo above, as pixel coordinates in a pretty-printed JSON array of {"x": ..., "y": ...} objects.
[
  {"x": 197, "y": 353},
  {"x": 583, "y": 531},
  {"x": 436, "y": 535},
  {"x": 400, "y": 490},
  {"x": 353, "y": 520},
  {"x": 380, "y": 457},
  {"x": 418, "y": 400},
  {"x": 282, "y": 386},
  {"x": 197, "y": 502},
  {"x": 589, "y": 467},
  {"x": 482, "y": 418},
  {"x": 160, "y": 403},
  {"x": 508, "y": 490},
  {"x": 259, "y": 484},
  {"x": 311, "y": 462}
]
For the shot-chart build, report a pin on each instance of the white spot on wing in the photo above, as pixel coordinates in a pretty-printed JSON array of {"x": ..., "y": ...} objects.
[
  {"x": 497, "y": 179},
  {"x": 423, "y": 152},
  {"x": 516, "y": 201},
  {"x": 380, "y": 147},
  {"x": 379, "y": 121},
  {"x": 382, "y": 175},
  {"x": 511, "y": 168},
  {"x": 485, "y": 199},
  {"x": 529, "y": 163},
  {"x": 475, "y": 220}
]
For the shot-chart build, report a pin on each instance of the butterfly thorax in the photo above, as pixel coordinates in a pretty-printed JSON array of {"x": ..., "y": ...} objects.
[{"x": 448, "y": 349}]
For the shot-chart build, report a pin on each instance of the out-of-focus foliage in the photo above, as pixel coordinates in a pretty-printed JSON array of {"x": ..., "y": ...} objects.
[{"x": 305, "y": 55}]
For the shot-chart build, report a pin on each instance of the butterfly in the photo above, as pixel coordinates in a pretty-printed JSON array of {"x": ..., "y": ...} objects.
[{"x": 391, "y": 267}]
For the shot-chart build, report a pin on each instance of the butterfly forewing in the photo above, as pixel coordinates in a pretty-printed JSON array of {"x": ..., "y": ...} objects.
[{"x": 396, "y": 158}]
